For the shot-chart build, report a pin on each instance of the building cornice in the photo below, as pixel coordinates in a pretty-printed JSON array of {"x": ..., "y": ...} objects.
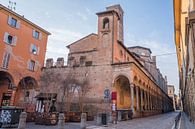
[{"x": 24, "y": 19}]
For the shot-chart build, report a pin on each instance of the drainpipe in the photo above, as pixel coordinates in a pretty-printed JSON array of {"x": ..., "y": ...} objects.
[{"x": 112, "y": 38}]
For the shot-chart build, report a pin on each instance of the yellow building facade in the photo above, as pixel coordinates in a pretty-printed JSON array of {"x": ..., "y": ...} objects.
[{"x": 184, "y": 23}]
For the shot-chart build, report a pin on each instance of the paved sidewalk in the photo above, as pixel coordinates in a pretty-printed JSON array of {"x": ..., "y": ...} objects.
[
  {"x": 185, "y": 122},
  {"x": 163, "y": 121}
]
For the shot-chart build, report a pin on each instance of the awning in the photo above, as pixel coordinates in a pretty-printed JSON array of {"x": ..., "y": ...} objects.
[{"x": 46, "y": 95}]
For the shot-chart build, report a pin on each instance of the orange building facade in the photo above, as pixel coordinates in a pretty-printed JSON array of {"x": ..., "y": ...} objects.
[{"x": 22, "y": 55}]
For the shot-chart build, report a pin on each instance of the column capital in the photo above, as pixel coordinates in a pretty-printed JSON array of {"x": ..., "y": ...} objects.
[{"x": 132, "y": 85}]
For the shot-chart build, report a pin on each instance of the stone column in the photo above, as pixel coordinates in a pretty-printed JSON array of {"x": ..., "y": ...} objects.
[
  {"x": 61, "y": 121},
  {"x": 145, "y": 100},
  {"x": 148, "y": 100},
  {"x": 152, "y": 102},
  {"x": 13, "y": 95},
  {"x": 83, "y": 120},
  {"x": 132, "y": 97},
  {"x": 98, "y": 119},
  {"x": 141, "y": 100},
  {"x": 151, "y": 96},
  {"x": 155, "y": 101},
  {"x": 22, "y": 122},
  {"x": 137, "y": 98}
]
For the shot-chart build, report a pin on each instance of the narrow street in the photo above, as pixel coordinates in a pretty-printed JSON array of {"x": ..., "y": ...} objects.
[{"x": 164, "y": 121}]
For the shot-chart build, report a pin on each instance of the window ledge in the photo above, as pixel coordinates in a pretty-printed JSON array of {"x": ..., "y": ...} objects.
[
  {"x": 5, "y": 69},
  {"x": 31, "y": 70},
  {"x": 13, "y": 27},
  {"x": 9, "y": 43},
  {"x": 105, "y": 30}
]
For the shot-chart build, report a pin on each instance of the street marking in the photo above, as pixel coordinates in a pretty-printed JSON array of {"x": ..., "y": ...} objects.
[
  {"x": 179, "y": 126},
  {"x": 173, "y": 127}
]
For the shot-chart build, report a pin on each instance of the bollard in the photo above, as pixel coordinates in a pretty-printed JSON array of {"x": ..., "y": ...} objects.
[
  {"x": 98, "y": 119},
  {"x": 61, "y": 121},
  {"x": 83, "y": 121},
  {"x": 119, "y": 115},
  {"x": 22, "y": 122},
  {"x": 110, "y": 117}
]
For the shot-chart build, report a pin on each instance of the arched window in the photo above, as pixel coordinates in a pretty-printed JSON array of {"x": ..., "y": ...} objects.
[{"x": 106, "y": 23}]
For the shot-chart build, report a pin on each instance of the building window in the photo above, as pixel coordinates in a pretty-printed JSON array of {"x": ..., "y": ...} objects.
[
  {"x": 32, "y": 65},
  {"x": 106, "y": 23},
  {"x": 27, "y": 94},
  {"x": 34, "y": 49},
  {"x": 36, "y": 34},
  {"x": 6, "y": 60},
  {"x": 82, "y": 60},
  {"x": 88, "y": 63},
  {"x": 10, "y": 39},
  {"x": 13, "y": 22}
]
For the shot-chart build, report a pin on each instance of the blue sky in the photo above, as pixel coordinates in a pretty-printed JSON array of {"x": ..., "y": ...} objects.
[{"x": 147, "y": 23}]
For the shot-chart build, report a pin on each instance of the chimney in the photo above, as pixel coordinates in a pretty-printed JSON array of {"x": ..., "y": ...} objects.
[
  {"x": 49, "y": 62},
  {"x": 154, "y": 60},
  {"x": 60, "y": 62}
]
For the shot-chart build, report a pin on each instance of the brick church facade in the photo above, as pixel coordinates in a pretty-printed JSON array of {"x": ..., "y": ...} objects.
[{"x": 108, "y": 65}]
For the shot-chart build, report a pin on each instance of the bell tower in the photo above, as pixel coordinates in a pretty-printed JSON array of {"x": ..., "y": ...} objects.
[{"x": 110, "y": 30}]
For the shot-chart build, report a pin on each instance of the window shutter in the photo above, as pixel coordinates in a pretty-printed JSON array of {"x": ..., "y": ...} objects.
[
  {"x": 5, "y": 37},
  {"x": 4, "y": 60},
  {"x": 14, "y": 40},
  {"x": 28, "y": 64},
  {"x": 9, "y": 20},
  {"x": 38, "y": 50},
  {"x": 34, "y": 33},
  {"x": 18, "y": 24},
  {"x": 40, "y": 36},
  {"x": 36, "y": 65},
  {"x": 7, "y": 61}
]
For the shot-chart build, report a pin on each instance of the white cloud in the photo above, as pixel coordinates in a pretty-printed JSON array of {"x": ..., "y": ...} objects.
[{"x": 58, "y": 41}]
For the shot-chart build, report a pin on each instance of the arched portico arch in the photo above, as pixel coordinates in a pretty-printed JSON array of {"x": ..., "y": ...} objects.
[
  {"x": 6, "y": 83},
  {"x": 123, "y": 90},
  {"x": 26, "y": 90}
]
